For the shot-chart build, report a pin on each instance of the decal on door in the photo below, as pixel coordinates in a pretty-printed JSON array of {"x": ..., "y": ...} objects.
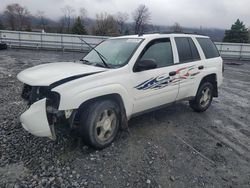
[
  {"x": 154, "y": 83},
  {"x": 164, "y": 80}
]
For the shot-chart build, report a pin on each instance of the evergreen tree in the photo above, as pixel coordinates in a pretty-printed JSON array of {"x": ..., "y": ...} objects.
[
  {"x": 1, "y": 24},
  {"x": 126, "y": 31},
  {"x": 237, "y": 34},
  {"x": 78, "y": 27}
]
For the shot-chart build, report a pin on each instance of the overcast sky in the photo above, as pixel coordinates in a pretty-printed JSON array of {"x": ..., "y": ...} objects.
[{"x": 189, "y": 13}]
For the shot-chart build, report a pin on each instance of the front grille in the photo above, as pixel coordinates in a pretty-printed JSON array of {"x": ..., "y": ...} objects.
[
  {"x": 34, "y": 93},
  {"x": 26, "y": 92}
]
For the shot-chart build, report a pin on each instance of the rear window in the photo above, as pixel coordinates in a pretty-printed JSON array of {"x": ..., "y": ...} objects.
[
  {"x": 208, "y": 48},
  {"x": 187, "y": 50},
  {"x": 194, "y": 50}
]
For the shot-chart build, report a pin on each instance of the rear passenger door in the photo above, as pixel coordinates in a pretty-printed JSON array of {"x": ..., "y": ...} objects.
[
  {"x": 213, "y": 63},
  {"x": 189, "y": 66}
]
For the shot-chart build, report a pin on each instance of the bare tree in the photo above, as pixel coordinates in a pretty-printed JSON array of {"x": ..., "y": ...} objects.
[
  {"x": 83, "y": 13},
  {"x": 121, "y": 18},
  {"x": 105, "y": 25},
  {"x": 141, "y": 18},
  {"x": 68, "y": 13},
  {"x": 43, "y": 21},
  {"x": 61, "y": 25},
  {"x": 176, "y": 28},
  {"x": 17, "y": 16}
]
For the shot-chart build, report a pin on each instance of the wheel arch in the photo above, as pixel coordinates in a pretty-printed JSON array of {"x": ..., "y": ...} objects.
[
  {"x": 212, "y": 78},
  {"x": 114, "y": 97}
]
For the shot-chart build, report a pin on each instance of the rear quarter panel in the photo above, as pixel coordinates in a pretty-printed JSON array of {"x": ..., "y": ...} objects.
[{"x": 211, "y": 66}]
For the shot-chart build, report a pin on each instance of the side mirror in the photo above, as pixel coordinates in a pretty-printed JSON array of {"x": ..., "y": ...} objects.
[{"x": 146, "y": 64}]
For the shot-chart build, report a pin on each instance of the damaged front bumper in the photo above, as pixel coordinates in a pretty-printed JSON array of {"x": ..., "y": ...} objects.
[
  {"x": 41, "y": 119},
  {"x": 43, "y": 115},
  {"x": 35, "y": 120}
]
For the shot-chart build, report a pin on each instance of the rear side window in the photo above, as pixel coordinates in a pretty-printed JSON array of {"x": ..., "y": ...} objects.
[
  {"x": 187, "y": 50},
  {"x": 194, "y": 50},
  {"x": 208, "y": 48}
]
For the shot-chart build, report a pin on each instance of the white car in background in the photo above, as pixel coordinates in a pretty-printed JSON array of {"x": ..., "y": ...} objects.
[{"x": 119, "y": 79}]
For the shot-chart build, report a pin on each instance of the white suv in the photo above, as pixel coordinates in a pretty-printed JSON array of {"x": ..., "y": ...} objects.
[{"x": 117, "y": 80}]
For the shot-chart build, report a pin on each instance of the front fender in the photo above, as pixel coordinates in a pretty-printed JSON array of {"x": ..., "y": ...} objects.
[{"x": 72, "y": 100}]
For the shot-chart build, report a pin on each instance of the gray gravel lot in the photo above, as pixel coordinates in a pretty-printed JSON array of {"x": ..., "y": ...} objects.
[{"x": 171, "y": 147}]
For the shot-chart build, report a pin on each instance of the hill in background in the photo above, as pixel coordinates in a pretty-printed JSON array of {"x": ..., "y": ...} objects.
[{"x": 53, "y": 26}]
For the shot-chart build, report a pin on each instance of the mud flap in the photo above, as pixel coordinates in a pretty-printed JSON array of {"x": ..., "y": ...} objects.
[
  {"x": 124, "y": 121},
  {"x": 35, "y": 121}
]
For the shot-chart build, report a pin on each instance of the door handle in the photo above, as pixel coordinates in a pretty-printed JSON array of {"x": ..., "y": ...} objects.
[
  {"x": 201, "y": 67},
  {"x": 173, "y": 73}
]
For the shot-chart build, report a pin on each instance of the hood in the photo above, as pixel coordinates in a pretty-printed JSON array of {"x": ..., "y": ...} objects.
[{"x": 46, "y": 74}]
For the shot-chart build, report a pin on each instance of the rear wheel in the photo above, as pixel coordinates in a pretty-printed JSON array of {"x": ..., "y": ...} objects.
[
  {"x": 99, "y": 123},
  {"x": 203, "y": 98}
]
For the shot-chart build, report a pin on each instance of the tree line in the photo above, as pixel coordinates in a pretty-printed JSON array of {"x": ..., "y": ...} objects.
[{"x": 17, "y": 17}]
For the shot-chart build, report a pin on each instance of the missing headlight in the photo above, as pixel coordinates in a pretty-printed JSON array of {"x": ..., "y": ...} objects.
[
  {"x": 53, "y": 99},
  {"x": 52, "y": 105},
  {"x": 68, "y": 113}
]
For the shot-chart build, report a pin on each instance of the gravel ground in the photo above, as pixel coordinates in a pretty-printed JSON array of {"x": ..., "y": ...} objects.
[{"x": 171, "y": 147}]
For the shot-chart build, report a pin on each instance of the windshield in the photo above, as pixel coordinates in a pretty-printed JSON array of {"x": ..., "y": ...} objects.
[{"x": 116, "y": 52}]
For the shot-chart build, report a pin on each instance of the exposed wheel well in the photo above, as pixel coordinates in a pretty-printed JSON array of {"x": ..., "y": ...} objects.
[
  {"x": 213, "y": 80},
  {"x": 114, "y": 97}
]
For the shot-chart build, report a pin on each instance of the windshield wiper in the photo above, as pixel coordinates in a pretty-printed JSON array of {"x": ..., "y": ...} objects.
[
  {"x": 85, "y": 61},
  {"x": 98, "y": 53}
]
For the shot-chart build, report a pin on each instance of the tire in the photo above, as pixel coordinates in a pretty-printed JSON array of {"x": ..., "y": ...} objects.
[
  {"x": 203, "y": 98},
  {"x": 3, "y": 46},
  {"x": 99, "y": 123}
]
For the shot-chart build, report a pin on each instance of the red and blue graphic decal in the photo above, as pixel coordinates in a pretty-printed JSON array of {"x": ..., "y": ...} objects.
[{"x": 162, "y": 81}]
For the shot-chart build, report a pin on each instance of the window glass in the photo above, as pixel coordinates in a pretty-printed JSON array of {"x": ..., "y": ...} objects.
[
  {"x": 184, "y": 50},
  {"x": 160, "y": 51},
  {"x": 208, "y": 48},
  {"x": 117, "y": 52},
  {"x": 194, "y": 50}
]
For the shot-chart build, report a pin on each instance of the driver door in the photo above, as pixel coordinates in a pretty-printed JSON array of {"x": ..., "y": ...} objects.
[{"x": 158, "y": 86}]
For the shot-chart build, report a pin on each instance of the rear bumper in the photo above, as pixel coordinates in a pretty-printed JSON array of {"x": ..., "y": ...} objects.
[{"x": 35, "y": 120}]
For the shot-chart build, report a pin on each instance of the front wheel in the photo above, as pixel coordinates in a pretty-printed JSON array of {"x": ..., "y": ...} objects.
[
  {"x": 99, "y": 123},
  {"x": 203, "y": 98}
]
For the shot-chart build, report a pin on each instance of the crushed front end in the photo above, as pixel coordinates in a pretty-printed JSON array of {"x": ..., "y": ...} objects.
[{"x": 43, "y": 114}]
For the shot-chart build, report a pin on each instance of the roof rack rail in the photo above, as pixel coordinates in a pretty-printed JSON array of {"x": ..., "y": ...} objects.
[
  {"x": 180, "y": 32},
  {"x": 149, "y": 32},
  {"x": 169, "y": 32}
]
